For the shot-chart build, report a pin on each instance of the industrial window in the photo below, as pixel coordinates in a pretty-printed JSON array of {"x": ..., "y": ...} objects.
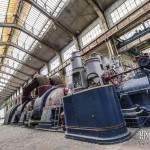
[
  {"x": 124, "y": 9},
  {"x": 54, "y": 63},
  {"x": 44, "y": 71},
  {"x": 68, "y": 52},
  {"x": 91, "y": 35},
  {"x": 137, "y": 29},
  {"x": 147, "y": 23}
]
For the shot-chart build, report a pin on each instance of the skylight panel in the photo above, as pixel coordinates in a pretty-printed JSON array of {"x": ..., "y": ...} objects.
[
  {"x": 3, "y": 9},
  {"x": 52, "y": 6},
  {"x": 6, "y": 76},
  {"x": 25, "y": 40},
  {"x": 2, "y": 84},
  {"x": 4, "y": 80},
  {"x": 28, "y": 43},
  {"x": 16, "y": 53},
  {"x": 35, "y": 21},
  {"x": 7, "y": 70},
  {"x": 12, "y": 63}
]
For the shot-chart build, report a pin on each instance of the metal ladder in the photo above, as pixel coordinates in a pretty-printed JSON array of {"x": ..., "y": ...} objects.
[{"x": 56, "y": 120}]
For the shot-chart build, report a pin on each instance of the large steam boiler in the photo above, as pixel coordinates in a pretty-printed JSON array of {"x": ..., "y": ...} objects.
[
  {"x": 51, "y": 115},
  {"x": 95, "y": 115},
  {"x": 10, "y": 113},
  {"x": 14, "y": 114},
  {"x": 42, "y": 114},
  {"x": 24, "y": 118}
]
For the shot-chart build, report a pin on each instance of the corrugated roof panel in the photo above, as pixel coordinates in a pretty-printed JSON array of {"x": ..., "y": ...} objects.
[
  {"x": 24, "y": 13},
  {"x": 1, "y": 50},
  {"x": 5, "y": 35},
  {"x": 3, "y": 9},
  {"x": 12, "y": 9}
]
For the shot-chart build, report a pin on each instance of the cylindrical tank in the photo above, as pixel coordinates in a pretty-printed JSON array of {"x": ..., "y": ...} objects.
[
  {"x": 93, "y": 69},
  {"x": 78, "y": 72},
  {"x": 95, "y": 115},
  {"x": 76, "y": 60}
]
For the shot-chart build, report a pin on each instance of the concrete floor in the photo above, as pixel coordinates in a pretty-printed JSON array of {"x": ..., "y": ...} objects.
[{"x": 18, "y": 138}]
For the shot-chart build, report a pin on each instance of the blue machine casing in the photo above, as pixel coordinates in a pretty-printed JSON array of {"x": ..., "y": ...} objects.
[{"x": 95, "y": 115}]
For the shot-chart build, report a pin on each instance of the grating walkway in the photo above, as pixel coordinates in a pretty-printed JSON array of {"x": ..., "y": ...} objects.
[{"x": 17, "y": 138}]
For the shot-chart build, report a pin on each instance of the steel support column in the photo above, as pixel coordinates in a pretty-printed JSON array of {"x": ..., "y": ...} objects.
[{"x": 104, "y": 24}]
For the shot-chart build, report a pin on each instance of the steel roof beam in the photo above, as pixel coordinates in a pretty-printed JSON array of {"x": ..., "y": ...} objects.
[
  {"x": 8, "y": 88},
  {"x": 5, "y": 87},
  {"x": 2, "y": 94},
  {"x": 9, "y": 84},
  {"x": 23, "y": 50},
  {"x": 6, "y": 91},
  {"x": 99, "y": 12},
  {"x": 4, "y": 97},
  {"x": 20, "y": 84},
  {"x": 57, "y": 23},
  {"x": 17, "y": 27},
  {"x": 19, "y": 61},
  {"x": 3, "y": 72},
  {"x": 7, "y": 66}
]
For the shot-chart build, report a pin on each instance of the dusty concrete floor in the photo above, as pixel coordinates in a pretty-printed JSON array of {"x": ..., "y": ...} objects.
[{"x": 17, "y": 138}]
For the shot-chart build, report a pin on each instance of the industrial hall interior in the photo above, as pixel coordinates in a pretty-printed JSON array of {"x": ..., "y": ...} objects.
[{"x": 74, "y": 74}]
